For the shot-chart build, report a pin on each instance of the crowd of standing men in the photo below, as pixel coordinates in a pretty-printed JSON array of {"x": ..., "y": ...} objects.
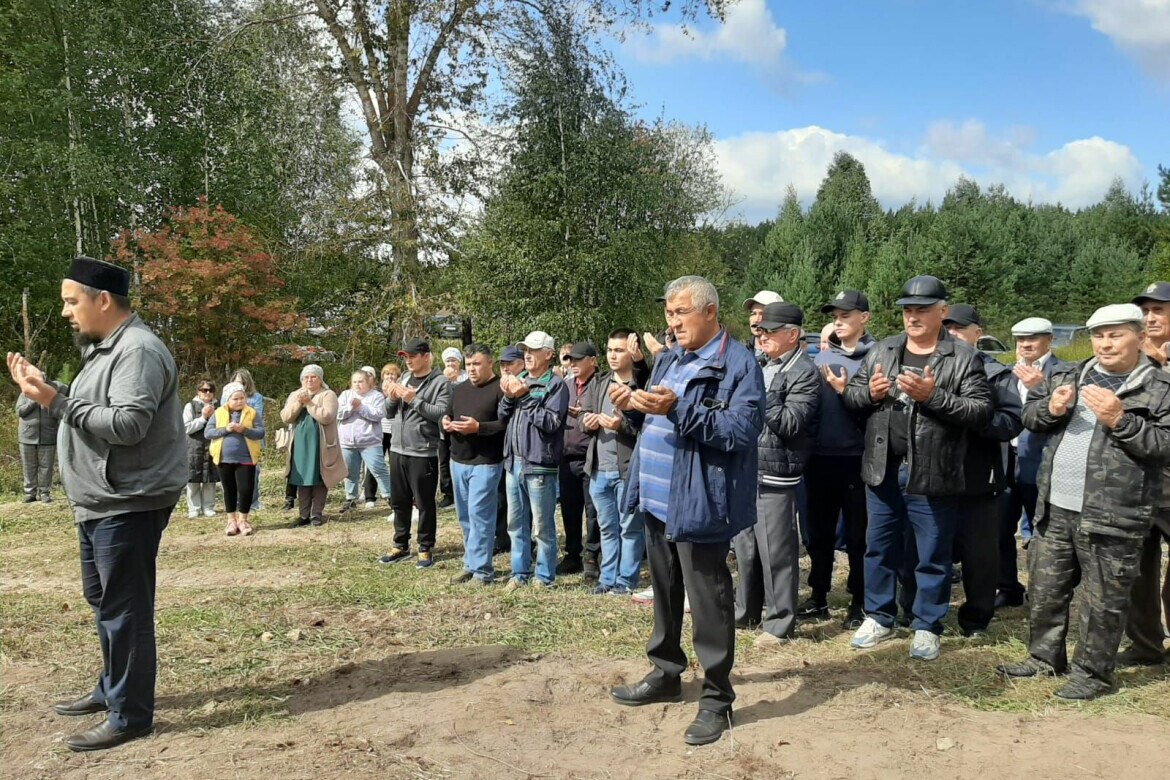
[{"x": 915, "y": 453}]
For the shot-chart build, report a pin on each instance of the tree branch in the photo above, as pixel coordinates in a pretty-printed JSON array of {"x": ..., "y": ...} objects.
[
  {"x": 357, "y": 76},
  {"x": 437, "y": 48}
]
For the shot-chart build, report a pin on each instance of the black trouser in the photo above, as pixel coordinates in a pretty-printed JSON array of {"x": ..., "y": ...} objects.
[
  {"x": 412, "y": 482},
  {"x": 702, "y": 570},
  {"x": 575, "y": 499},
  {"x": 371, "y": 484},
  {"x": 1150, "y": 595},
  {"x": 503, "y": 541},
  {"x": 834, "y": 487},
  {"x": 118, "y": 556},
  {"x": 239, "y": 481},
  {"x": 1019, "y": 497},
  {"x": 290, "y": 490},
  {"x": 445, "y": 485},
  {"x": 977, "y": 548}
]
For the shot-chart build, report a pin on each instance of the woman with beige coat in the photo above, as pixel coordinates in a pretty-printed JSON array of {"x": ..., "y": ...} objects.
[{"x": 314, "y": 460}]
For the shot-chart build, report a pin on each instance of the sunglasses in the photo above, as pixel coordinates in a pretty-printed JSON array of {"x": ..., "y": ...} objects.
[{"x": 207, "y": 389}]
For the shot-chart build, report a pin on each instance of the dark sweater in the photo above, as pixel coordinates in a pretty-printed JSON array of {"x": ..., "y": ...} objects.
[{"x": 479, "y": 403}]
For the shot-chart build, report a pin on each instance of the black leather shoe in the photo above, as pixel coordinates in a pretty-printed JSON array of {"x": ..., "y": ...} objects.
[
  {"x": 317, "y": 521},
  {"x": 83, "y": 706},
  {"x": 1029, "y": 667},
  {"x": 707, "y": 727},
  {"x": 644, "y": 693},
  {"x": 1003, "y": 600},
  {"x": 103, "y": 737},
  {"x": 1131, "y": 656},
  {"x": 570, "y": 565},
  {"x": 1084, "y": 689},
  {"x": 854, "y": 617}
]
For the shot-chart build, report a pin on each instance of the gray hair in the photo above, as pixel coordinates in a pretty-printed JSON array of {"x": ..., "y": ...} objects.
[
  {"x": 313, "y": 368},
  {"x": 703, "y": 293}
]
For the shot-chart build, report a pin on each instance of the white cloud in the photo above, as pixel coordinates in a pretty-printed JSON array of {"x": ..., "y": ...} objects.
[
  {"x": 749, "y": 34},
  {"x": 1140, "y": 27},
  {"x": 758, "y": 167}
]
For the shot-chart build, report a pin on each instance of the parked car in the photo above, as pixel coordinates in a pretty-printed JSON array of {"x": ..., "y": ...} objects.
[
  {"x": 445, "y": 326},
  {"x": 812, "y": 343},
  {"x": 992, "y": 346},
  {"x": 1065, "y": 335}
]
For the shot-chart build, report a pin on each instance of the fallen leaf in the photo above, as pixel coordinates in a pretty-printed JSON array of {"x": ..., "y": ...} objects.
[
  {"x": 294, "y": 635},
  {"x": 204, "y": 661},
  {"x": 509, "y": 722},
  {"x": 944, "y": 743},
  {"x": 487, "y": 616},
  {"x": 266, "y": 636}
]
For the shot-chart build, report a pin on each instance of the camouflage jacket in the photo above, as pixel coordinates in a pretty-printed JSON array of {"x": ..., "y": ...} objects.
[{"x": 1123, "y": 480}]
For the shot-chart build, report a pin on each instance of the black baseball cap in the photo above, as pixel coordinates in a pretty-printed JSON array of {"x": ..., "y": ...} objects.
[
  {"x": 414, "y": 347},
  {"x": 777, "y": 315},
  {"x": 847, "y": 300},
  {"x": 922, "y": 291},
  {"x": 1158, "y": 291},
  {"x": 582, "y": 349},
  {"x": 962, "y": 314}
]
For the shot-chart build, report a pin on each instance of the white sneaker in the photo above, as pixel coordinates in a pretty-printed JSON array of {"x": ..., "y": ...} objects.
[
  {"x": 192, "y": 515},
  {"x": 370, "y": 505},
  {"x": 414, "y": 514},
  {"x": 686, "y": 605},
  {"x": 645, "y": 597},
  {"x": 871, "y": 634},
  {"x": 924, "y": 646},
  {"x": 209, "y": 513}
]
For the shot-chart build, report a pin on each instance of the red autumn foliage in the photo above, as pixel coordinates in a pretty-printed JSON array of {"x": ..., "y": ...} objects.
[{"x": 208, "y": 287}]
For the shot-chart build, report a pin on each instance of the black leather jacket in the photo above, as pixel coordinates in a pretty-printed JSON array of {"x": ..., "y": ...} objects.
[
  {"x": 790, "y": 420},
  {"x": 938, "y": 427},
  {"x": 986, "y": 461}
]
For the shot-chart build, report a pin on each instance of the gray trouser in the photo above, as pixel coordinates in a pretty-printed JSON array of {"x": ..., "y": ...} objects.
[
  {"x": 768, "y": 557},
  {"x": 200, "y": 498},
  {"x": 37, "y": 462},
  {"x": 1144, "y": 626}
]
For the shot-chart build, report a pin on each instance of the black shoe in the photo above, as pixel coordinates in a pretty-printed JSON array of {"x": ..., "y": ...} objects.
[
  {"x": 289, "y": 505},
  {"x": 395, "y": 555},
  {"x": 854, "y": 617},
  {"x": 904, "y": 620},
  {"x": 747, "y": 625},
  {"x": 956, "y": 574},
  {"x": 83, "y": 706},
  {"x": 1004, "y": 599},
  {"x": 591, "y": 569},
  {"x": 317, "y": 521},
  {"x": 498, "y": 550},
  {"x": 813, "y": 608},
  {"x": 1029, "y": 667},
  {"x": 644, "y": 693},
  {"x": 1131, "y": 656},
  {"x": 300, "y": 521},
  {"x": 446, "y": 501},
  {"x": 570, "y": 565},
  {"x": 103, "y": 737},
  {"x": 1084, "y": 689},
  {"x": 974, "y": 633},
  {"x": 30, "y": 499},
  {"x": 707, "y": 727},
  {"x": 345, "y": 507}
]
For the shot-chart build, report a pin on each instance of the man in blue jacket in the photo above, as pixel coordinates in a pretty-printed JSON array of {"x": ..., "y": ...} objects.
[{"x": 693, "y": 474}]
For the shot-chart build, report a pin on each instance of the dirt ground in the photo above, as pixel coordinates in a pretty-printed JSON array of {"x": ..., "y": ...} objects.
[
  {"x": 493, "y": 712},
  {"x": 404, "y": 708}
]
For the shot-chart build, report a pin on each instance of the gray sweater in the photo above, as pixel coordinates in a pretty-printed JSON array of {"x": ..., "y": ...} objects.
[
  {"x": 416, "y": 424},
  {"x": 121, "y": 442}
]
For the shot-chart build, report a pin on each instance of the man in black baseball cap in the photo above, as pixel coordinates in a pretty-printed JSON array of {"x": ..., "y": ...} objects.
[
  {"x": 921, "y": 393},
  {"x": 414, "y": 347},
  {"x": 1144, "y": 626},
  {"x": 833, "y": 475},
  {"x": 582, "y": 552}
]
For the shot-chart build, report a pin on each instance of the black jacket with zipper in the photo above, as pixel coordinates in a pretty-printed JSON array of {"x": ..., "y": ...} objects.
[
  {"x": 986, "y": 461},
  {"x": 937, "y": 428},
  {"x": 790, "y": 419}
]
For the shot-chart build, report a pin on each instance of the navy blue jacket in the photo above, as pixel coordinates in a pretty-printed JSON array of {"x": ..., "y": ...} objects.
[
  {"x": 983, "y": 468},
  {"x": 535, "y": 422},
  {"x": 1030, "y": 445},
  {"x": 841, "y": 431},
  {"x": 718, "y": 419}
]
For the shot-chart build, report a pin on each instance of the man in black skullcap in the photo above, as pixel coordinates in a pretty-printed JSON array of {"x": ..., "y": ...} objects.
[{"x": 123, "y": 467}]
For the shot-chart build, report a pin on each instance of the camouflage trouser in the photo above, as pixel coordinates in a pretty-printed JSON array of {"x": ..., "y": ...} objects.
[{"x": 1062, "y": 557}]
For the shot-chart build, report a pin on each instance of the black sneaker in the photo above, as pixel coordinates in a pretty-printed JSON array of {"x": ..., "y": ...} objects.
[
  {"x": 813, "y": 609},
  {"x": 348, "y": 505},
  {"x": 299, "y": 522},
  {"x": 446, "y": 501},
  {"x": 395, "y": 555},
  {"x": 30, "y": 499},
  {"x": 425, "y": 561},
  {"x": 570, "y": 565},
  {"x": 591, "y": 570},
  {"x": 317, "y": 521},
  {"x": 289, "y": 504},
  {"x": 1005, "y": 599},
  {"x": 854, "y": 617},
  {"x": 956, "y": 574}
]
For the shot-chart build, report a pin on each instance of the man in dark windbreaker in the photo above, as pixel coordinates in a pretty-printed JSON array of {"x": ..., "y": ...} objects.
[
  {"x": 1100, "y": 484},
  {"x": 693, "y": 474},
  {"x": 923, "y": 392},
  {"x": 833, "y": 475},
  {"x": 768, "y": 553}
]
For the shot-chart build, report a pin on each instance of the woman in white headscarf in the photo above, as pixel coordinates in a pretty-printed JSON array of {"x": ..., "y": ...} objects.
[{"x": 314, "y": 460}]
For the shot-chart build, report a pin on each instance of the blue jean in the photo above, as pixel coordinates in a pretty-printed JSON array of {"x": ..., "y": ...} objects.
[
  {"x": 532, "y": 502},
  {"x": 623, "y": 536},
  {"x": 118, "y": 577},
  {"x": 892, "y": 513},
  {"x": 375, "y": 461},
  {"x": 476, "y": 497}
]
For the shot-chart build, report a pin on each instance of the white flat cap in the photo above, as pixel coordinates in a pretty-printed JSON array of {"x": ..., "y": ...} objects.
[
  {"x": 452, "y": 352},
  {"x": 1032, "y": 326},
  {"x": 1116, "y": 314},
  {"x": 763, "y": 297},
  {"x": 537, "y": 339}
]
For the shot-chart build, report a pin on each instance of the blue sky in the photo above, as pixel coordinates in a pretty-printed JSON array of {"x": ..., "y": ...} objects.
[{"x": 1053, "y": 98}]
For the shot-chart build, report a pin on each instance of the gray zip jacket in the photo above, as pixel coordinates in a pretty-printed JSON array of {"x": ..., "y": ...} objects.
[
  {"x": 416, "y": 424},
  {"x": 120, "y": 443}
]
